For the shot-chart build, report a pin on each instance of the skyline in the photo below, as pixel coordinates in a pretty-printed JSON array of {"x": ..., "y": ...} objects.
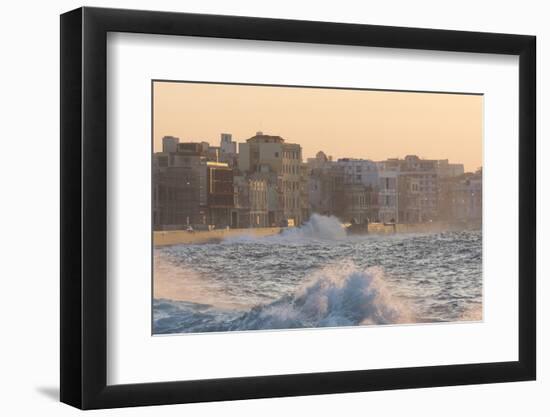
[{"x": 394, "y": 124}]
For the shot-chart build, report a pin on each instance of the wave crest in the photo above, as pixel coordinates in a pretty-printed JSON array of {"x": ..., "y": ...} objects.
[
  {"x": 342, "y": 296},
  {"x": 318, "y": 227},
  {"x": 333, "y": 297}
]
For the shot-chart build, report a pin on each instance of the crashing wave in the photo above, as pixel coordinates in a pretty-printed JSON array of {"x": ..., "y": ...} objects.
[
  {"x": 333, "y": 297},
  {"x": 318, "y": 227}
]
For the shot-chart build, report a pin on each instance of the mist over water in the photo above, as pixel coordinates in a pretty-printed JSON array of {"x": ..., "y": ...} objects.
[{"x": 316, "y": 276}]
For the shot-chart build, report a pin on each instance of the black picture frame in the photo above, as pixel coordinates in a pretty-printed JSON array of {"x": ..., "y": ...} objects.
[{"x": 84, "y": 207}]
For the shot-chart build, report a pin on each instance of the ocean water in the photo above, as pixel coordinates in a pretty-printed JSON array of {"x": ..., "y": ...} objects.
[{"x": 316, "y": 276}]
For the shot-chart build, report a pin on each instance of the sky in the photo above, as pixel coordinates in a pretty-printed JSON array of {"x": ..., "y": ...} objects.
[{"x": 343, "y": 123}]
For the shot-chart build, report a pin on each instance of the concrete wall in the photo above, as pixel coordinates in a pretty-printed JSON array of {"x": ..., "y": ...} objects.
[
  {"x": 183, "y": 237},
  {"x": 176, "y": 237},
  {"x": 431, "y": 227}
]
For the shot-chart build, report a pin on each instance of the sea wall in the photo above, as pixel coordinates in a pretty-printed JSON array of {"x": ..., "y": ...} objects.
[
  {"x": 430, "y": 227},
  {"x": 175, "y": 237},
  {"x": 163, "y": 238}
]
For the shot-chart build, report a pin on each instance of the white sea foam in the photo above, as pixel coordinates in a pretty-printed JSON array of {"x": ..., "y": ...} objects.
[
  {"x": 333, "y": 296},
  {"x": 318, "y": 227}
]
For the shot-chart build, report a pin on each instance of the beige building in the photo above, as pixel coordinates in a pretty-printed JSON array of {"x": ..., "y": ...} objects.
[
  {"x": 280, "y": 163},
  {"x": 396, "y": 192},
  {"x": 461, "y": 198},
  {"x": 445, "y": 169},
  {"x": 251, "y": 202}
]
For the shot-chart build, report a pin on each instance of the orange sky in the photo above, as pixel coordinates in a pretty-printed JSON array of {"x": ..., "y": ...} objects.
[{"x": 343, "y": 123}]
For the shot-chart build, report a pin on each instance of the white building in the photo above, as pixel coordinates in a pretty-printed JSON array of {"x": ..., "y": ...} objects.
[
  {"x": 227, "y": 145},
  {"x": 359, "y": 171}
]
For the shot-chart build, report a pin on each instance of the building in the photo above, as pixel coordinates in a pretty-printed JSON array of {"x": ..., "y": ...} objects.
[
  {"x": 228, "y": 150},
  {"x": 346, "y": 188},
  {"x": 424, "y": 172},
  {"x": 325, "y": 186},
  {"x": 192, "y": 148},
  {"x": 413, "y": 175},
  {"x": 357, "y": 204},
  {"x": 409, "y": 206},
  {"x": 359, "y": 171},
  {"x": 305, "y": 206},
  {"x": 448, "y": 170},
  {"x": 220, "y": 194},
  {"x": 251, "y": 202},
  {"x": 179, "y": 190},
  {"x": 461, "y": 198},
  {"x": 361, "y": 182},
  {"x": 189, "y": 189},
  {"x": 211, "y": 153},
  {"x": 169, "y": 144},
  {"x": 320, "y": 160},
  {"x": 279, "y": 163},
  {"x": 266, "y": 184},
  {"x": 227, "y": 144},
  {"x": 388, "y": 195}
]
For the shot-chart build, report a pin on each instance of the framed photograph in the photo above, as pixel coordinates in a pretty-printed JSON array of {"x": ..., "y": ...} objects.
[{"x": 258, "y": 207}]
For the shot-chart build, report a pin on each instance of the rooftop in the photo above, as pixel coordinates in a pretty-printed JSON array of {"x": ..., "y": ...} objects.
[{"x": 261, "y": 138}]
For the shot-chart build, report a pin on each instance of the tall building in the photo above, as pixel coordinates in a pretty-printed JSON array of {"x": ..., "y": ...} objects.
[
  {"x": 251, "y": 202},
  {"x": 319, "y": 185},
  {"x": 424, "y": 171},
  {"x": 361, "y": 182},
  {"x": 169, "y": 144},
  {"x": 346, "y": 188},
  {"x": 409, "y": 206},
  {"x": 388, "y": 195},
  {"x": 417, "y": 176},
  {"x": 227, "y": 144},
  {"x": 280, "y": 164},
  {"x": 228, "y": 150},
  {"x": 220, "y": 193}
]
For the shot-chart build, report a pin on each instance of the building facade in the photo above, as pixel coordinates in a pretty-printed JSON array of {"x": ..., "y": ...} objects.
[
  {"x": 220, "y": 194},
  {"x": 359, "y": 171},
  {"x": 280, "y": 165},
  {"x": 447, "y": 170},
  {"x": 325, "y": 187},
  {"x": 263, "y": 182},
  {"x": 179, "y": 191},
  {"x": 189, "y": 189},
  {"x": 170, "y": 144},
  {"x": 388, "y": 196},
  {"x": 416, "y": 184},
  {"x": 461, "y": 198}
]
